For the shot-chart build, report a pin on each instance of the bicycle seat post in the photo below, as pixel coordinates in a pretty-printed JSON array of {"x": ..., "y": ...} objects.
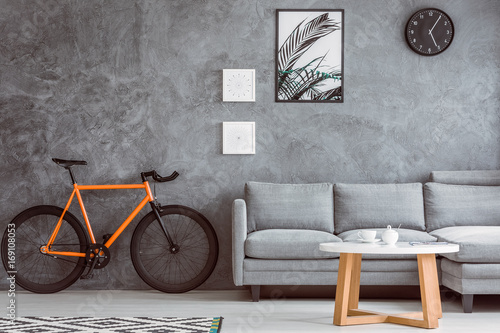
[{"x": 71, "y": 174}]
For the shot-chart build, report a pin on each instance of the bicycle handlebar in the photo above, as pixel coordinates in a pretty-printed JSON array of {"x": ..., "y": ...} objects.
[{"x": 157, "y": 177}]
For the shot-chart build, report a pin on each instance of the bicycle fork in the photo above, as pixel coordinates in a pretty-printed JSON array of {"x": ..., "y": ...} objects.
[{"x": 174, "y": 248}]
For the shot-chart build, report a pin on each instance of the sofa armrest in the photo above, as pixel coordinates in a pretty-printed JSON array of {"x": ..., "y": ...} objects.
[{"x": 240, "y": 230}]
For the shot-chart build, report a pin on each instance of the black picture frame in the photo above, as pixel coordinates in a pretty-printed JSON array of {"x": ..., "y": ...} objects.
[{"x": 309, "y": 56}]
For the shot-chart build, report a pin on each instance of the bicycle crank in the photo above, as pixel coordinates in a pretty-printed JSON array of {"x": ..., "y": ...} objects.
[{"x": 98, "y": 256}]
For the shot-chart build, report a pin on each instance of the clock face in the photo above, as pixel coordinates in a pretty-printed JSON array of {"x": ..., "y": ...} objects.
[
  {"x": 239, "y": 85},
  {"x": 429, "y": 31}
]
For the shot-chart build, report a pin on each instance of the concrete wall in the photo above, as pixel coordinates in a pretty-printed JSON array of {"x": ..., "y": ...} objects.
[{"x": 135, "y": 85}]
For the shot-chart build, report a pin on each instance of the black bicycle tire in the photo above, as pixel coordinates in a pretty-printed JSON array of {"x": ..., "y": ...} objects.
[
  {"x": 146, "y": 223},
  {"x": 21, "y": 276}
]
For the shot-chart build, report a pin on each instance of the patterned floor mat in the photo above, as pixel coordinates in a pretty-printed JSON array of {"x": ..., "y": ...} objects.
[{"x": 111, "y": 324}]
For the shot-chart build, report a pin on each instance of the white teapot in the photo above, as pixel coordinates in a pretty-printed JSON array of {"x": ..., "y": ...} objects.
[{"x": 390, "y": 236}]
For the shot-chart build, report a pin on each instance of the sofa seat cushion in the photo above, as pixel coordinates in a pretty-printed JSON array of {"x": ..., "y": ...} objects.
[
  {"x": 405, "y": 235},
  {"x": 288, "y": 244},
  {"x": 461, "y": 205},
  {"x": 378, "y": 205},
  {"x": 289, "y": 206},
  {"x": 478, "y": 244}
]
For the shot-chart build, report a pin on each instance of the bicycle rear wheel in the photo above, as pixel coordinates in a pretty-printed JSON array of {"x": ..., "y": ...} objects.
[
  {"x": 36, "y": 271},
  {"x": 180, "y": 268}
]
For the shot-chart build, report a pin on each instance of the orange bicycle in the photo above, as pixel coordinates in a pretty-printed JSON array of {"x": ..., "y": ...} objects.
[{"x": 174, "y": 248}]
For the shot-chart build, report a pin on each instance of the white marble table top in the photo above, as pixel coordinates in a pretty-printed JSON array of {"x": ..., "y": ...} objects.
[{"x": 383, "y": 248}]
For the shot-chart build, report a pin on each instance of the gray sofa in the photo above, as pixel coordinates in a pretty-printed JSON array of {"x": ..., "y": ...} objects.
[{"x": 277, "y": 229}]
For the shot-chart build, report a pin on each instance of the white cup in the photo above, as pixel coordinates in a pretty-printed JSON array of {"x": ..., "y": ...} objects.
[{"x": 367, "y": 235}]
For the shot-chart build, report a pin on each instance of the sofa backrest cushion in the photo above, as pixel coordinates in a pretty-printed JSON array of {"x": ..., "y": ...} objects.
[
  {"x": 467, "y": 177},
  {"x": 363, "y": 206},
  {"x": 461, "y": 205},
  {"x": 289, "y": 206}
]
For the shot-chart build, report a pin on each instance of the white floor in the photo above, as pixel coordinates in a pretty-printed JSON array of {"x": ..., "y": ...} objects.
[{"x": 243, "y": 316}]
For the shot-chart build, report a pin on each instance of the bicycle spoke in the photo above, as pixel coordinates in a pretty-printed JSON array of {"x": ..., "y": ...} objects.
[
  {"x": 160, "y": 268},
  {"x": 28, "y": 262},
  {"x": 182, "y": 265}
]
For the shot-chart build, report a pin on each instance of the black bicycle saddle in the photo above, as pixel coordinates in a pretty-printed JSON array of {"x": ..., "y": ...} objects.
[{"x": 68, "y": 163}]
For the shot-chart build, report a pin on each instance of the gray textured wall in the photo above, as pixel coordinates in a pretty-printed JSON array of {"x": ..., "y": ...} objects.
[{"x": 134, "y": 85}]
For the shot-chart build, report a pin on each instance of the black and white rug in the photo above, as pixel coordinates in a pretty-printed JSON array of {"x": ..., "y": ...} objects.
[{"x": 111, "y": 324}]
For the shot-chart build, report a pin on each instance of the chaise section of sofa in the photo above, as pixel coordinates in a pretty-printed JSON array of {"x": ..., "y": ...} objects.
[{"x": 463, "y": 207}]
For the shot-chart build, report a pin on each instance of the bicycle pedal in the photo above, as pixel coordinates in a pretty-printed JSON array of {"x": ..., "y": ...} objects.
[{"x": 87, "y": 276}]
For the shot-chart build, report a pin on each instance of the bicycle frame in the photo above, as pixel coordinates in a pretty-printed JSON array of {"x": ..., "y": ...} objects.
[{"x": 76, "y": 191}]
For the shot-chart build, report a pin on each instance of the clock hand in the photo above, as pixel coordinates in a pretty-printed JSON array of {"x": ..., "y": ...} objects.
[
  {"x": 432, "y": 38},
  {"x": 430, "y": 31}
]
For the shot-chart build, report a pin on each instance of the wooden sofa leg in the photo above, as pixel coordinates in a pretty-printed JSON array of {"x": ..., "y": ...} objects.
[
  {"x": 467, "y": 301},
  {"x": 255, "y": 289}
]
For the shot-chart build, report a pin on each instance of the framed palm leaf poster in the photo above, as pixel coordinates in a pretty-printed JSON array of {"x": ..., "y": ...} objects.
[{"x": 310, "y": 55}]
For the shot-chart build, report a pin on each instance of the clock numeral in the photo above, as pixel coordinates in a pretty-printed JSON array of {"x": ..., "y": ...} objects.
[
  {"x": 445, "y": 22},
  {"x": 415, "y": 23},
  {"x": 429, "y": 50},
  {"x": 447, "y": 32},
  {"x": 420, "y": 46},
  {"x": 439, "y": 47},
  {"x": 421, "y": 16},
  {"x": 414, "y": 40},
  {"x": 412, "y": 32},
  {"x": 446, "y": 41},
  {"x": 430, "y": 13}
]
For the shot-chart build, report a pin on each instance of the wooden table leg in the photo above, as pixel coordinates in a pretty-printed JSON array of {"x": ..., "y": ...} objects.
[
  {"x": 343, "y": 289},
  {"x": 355, "y": 279},
  {"x": 429, "y": 289}
]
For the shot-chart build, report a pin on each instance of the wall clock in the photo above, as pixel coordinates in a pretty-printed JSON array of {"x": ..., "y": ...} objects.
[
  {"x": 429, "y": 31},
  {"x": 238, "y": 85}
]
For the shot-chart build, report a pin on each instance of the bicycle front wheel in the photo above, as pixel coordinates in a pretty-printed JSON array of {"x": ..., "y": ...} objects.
[
  {"x": 178, "y": 267},
  {"x": 34, "y": 270}
]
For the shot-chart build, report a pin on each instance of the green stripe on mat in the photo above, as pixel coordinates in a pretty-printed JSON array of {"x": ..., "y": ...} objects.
[{"x": 216, "y": 325}]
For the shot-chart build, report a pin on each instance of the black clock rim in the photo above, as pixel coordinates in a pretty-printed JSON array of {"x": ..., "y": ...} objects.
[{"x": 418, "y": 51}]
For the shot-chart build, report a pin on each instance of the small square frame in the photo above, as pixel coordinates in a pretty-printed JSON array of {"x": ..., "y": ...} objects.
[
  {"x": 238, "y": 138},
  {"x": 238, "y": 85}
]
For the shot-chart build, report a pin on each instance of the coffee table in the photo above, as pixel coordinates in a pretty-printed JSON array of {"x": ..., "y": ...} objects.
[{"x": 347, "y": 295}]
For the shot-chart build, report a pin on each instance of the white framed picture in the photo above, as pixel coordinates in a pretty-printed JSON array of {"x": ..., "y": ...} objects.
[
  {"x": 238, "y": 85},
  {"x": 238, "y": 138}
]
